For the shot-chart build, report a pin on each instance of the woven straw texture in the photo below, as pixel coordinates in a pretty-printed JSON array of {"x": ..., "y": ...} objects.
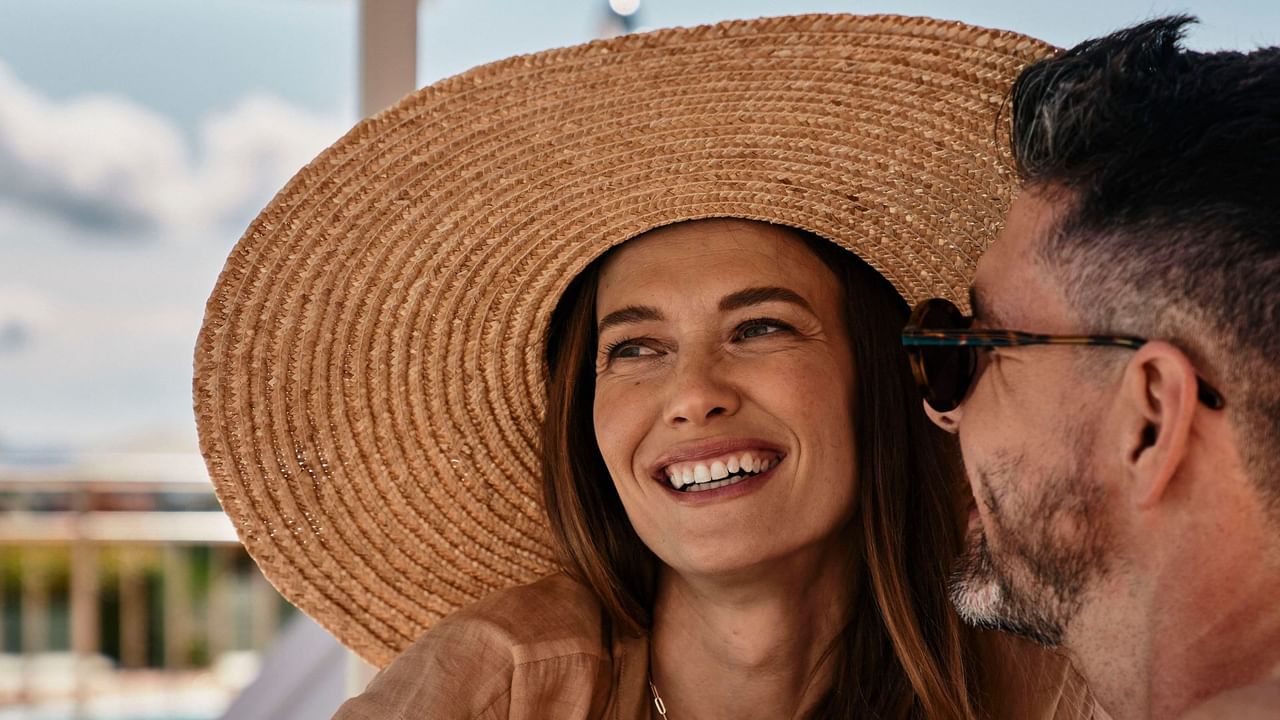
[{"x": 369, "y": 379}]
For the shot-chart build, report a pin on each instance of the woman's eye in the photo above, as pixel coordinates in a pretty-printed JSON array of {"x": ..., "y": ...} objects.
[
  {"x": 760, "y": 328},
  {"x": 628, "y": 349}
]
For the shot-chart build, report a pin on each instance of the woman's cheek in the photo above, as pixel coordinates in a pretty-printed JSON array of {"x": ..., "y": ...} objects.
[{"x": 618, "y": 421}]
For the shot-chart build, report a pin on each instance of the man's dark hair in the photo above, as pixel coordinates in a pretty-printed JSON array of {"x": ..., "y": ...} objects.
[{"x": 1167, "y": 165}]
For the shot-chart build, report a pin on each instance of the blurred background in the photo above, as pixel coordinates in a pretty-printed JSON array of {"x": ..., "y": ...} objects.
[{"x": 137, "y": 139}]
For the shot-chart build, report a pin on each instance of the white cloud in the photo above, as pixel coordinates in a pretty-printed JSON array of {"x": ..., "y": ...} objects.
[
  {"x": 252, "y": 150},
  {"x": 24, "y": 314},
  {"x": 96, "y": 334},
  {"x": 104, "y": 164}
]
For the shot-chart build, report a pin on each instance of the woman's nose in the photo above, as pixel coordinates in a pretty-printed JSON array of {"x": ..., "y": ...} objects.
[{"x": 699, "y": 391}]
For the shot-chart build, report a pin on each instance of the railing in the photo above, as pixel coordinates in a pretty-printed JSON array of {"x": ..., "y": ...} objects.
[{"x": 104, "y": 583}]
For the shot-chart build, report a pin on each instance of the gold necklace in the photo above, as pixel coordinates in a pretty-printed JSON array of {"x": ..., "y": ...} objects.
[{"x": 657, "y": 700}]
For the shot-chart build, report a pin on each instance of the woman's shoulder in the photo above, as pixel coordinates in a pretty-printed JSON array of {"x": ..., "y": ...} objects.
[
  {"x": 545, "y": 642},
  {"x": 554, "y": 608}
]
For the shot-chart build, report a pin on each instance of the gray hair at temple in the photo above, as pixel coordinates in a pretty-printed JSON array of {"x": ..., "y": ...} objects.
[{"x": 1168, "y": 165}]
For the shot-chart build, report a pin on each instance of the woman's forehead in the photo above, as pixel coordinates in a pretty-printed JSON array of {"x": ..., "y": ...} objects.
[
  {"x": 728, "y": 241},
  {"x": 705, "y": 256}
]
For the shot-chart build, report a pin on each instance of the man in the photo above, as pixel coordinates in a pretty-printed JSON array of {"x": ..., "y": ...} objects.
[{"x": 1127, "y": 484}]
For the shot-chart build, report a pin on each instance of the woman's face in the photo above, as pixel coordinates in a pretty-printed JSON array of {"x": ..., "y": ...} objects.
[{"x": 724, "y": 388}]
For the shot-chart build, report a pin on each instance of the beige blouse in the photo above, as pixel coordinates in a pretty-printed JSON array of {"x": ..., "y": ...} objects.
[{"x": 546, "y": 650}]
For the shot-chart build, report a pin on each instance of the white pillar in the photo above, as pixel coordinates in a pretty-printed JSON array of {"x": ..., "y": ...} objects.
[
  {"x": 86, "y": 632},
  {"x": 133, "y": 562},
  {"x": 388, "y": 52},
  {"x": 177, "y": 606},
  {"x": 220, "y": 626},
  {"x": 35, "y": 600},
  {"x": 264, "y": 612}
]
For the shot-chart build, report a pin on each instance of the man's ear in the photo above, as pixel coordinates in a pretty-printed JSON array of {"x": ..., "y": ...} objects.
[{"x": 1158, "y": 398}]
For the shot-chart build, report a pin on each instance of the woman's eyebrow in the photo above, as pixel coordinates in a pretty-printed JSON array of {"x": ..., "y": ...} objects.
[
  {"x": 733, "y": 301},
  {"x": 756, "y": 295},
  {"x": 627, "y": 315}
]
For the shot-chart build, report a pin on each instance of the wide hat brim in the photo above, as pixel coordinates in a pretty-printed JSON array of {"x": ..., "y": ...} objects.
[{"x": 369, "y": 379}]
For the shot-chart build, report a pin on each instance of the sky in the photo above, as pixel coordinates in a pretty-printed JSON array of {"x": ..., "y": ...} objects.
[{"x": 139, "y": 137}]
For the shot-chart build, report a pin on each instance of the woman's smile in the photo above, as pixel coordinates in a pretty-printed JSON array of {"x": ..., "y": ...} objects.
[
  {"x": 707, "y": 465},
  {"x": 700, "y": 476}
]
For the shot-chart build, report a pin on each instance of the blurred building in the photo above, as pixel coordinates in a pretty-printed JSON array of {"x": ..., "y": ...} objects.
[{"x": 123, "y": 590}]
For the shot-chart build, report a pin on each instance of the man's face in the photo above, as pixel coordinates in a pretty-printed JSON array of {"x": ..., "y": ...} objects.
[{"x": 1037, "y": 537}]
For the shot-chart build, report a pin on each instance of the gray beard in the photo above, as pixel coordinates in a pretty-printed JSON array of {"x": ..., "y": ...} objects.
[{"x": 1051, "y": 551}]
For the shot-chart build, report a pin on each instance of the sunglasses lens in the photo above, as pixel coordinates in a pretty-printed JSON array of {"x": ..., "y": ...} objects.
[
  {"x": 948, "y": 370},
  {"x": 943, "y": 372}
]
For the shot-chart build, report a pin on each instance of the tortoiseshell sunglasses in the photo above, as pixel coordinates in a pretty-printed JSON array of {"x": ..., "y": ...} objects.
[{"x": 944, "y": 357}]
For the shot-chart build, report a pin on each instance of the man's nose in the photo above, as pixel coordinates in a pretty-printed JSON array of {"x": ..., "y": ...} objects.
[{"x": 700, "y": 390}]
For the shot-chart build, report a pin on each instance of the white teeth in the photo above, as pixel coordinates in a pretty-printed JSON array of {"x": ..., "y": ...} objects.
[
  {"x": 719, "y": 471},
  {"x": 714, "y": 485},
  {"x": 698, "y": 477}
]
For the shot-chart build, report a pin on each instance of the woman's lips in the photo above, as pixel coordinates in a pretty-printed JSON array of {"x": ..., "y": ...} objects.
[{"x": 708, "y": 450}]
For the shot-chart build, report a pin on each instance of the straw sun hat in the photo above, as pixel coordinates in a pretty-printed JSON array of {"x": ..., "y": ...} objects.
[{"x": 369, "y": 379}]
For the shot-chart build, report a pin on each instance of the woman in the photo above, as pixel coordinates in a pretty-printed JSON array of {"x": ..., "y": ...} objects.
[
  {"x": 809, "y": 534},
  {"x": 579, "y": 315}
]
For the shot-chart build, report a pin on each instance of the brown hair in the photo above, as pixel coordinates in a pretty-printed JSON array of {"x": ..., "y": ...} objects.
[{"x": 904, "y": 653}]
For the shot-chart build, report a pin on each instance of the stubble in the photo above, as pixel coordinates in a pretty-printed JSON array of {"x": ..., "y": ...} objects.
[{"x": 1043, "y": 545}]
